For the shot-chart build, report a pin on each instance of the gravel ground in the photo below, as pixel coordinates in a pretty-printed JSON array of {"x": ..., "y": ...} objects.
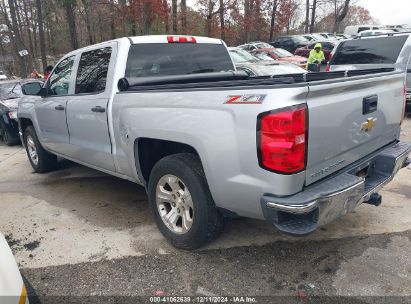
[{"x": 80, "y": 236}]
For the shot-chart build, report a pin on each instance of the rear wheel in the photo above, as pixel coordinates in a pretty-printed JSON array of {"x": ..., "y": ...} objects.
[
  {"x": 181, "y": 202},
  {"x": 41, "y": 160}
]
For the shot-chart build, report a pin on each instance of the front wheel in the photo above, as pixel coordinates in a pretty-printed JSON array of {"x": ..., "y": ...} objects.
[
  {"x": 7, "y": 138},
  {"x": 181, "y": 202},
  {"x": 41, "y": 160}
]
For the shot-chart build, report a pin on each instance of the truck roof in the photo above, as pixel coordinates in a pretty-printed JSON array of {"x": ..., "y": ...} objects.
[
  {"x": 147, "y": 39},
  {"x": 164, "y": 39}
]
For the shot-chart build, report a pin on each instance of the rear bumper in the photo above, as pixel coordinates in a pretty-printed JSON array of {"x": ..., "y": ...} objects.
[{"x": 325, "y": 201}]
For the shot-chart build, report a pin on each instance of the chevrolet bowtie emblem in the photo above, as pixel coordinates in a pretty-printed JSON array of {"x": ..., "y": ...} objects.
[{"x": 369, "y": 124}]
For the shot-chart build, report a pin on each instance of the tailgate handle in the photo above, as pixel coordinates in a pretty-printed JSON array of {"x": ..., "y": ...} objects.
[{"x": 369, "y": 104}]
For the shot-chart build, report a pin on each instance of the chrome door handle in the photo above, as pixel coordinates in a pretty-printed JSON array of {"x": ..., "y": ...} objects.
[{"x": 59, "y": 108}]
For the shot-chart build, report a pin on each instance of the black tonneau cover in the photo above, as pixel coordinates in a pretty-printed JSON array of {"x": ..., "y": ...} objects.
[{"x": 232, "y": 79}]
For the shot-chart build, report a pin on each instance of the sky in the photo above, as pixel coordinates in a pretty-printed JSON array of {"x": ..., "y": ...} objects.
[{"x": 387, "y": 12}]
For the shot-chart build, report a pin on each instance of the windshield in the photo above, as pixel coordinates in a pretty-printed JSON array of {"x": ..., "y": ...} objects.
[
  {"x": 299, "y": 39},
  {"x": 277, "y": 69},
  {"x": 246, "y": 55},
  {"x": 262, "y": 56},
  {"x": 263, "y": 45},
  {"x": 282, "y": 53},
  {"x": 10, "y": 90},
  {"x": 237, "y": 58},
  {"x": 317, "y": 36}
]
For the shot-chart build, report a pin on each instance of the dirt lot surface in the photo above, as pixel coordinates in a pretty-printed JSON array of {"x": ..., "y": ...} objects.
[{"x": 78, "y": 233}]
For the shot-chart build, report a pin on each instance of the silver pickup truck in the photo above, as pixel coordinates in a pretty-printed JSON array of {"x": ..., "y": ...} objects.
[{"x": 208, "y": 142}]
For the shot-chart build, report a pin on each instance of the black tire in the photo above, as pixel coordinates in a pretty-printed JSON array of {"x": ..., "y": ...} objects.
[
  {"x": 7, "y": 139},
  {"x": 207, "y": 221},
  {"x": 46, "y": 161}
]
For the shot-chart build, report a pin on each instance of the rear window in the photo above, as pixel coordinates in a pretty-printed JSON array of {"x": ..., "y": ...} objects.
[
  {"x": 159, "y": 59},
  {"x": 384, "y": 50}
]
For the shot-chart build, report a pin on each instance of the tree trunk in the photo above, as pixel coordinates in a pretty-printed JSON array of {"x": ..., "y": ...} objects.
[
  {"x": 307, "y": 15},
  {"x": 41, "y": 34},
  {"x": 28, "y": 60},
  {"x": 174, "y": 13},
  {"x": 146, "y": 17},
  {"x": 184, "y": 17},
  {"x": 221, "y": 12},
  {"x": 18, "y": 43},
  {"x": 86, "y": 5},
  {"x": 166, "y": 20},
  {"x": 249, "y": 15},
  {"x": 112, "y": 28},
  {"x": 209, "y": 18},
  {"x": 71, "y": 23},
  {"x": 312, "y": 26},
  {"x": 341, "y": 16},
  {"x": 273, "y": 16},
  {"x": 34, "y": 25},
  {"x": 50, "y": 33},
  {"x": 29, "y": 36}
]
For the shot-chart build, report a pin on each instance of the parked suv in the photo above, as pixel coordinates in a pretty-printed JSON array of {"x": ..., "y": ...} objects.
[{"x": 290, "y": 43}]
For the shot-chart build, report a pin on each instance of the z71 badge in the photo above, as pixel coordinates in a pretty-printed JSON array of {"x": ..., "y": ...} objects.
[{"x": 246, "y": 99}]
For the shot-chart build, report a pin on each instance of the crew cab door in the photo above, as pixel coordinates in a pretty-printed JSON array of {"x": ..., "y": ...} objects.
[
  {"x": 51, "y": 109},
  {"x": 87, "y": 108}
]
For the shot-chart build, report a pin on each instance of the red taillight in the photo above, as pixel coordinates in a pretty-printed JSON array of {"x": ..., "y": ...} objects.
[
  {"x": 282, "y": 140},
  {"x": 328, "y": 67},
  {"x": 181, "y": 39}
]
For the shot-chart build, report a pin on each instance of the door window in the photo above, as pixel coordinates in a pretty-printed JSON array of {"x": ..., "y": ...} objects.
[
  {"x": 59, "y": 81},
  {"x": 92, "y": 71}
]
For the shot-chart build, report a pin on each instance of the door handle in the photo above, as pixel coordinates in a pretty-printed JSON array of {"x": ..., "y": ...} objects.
[
  {"x": 59, "y": 108},
  {"x": 98, "y": 109},
  {"x": 369, "y": 104}
]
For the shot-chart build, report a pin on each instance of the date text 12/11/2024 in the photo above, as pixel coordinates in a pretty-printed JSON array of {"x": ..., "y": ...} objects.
[{"x": 202, "y": 299}]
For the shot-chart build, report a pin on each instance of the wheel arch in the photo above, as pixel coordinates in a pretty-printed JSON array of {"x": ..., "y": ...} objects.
[
  {"x": 148, "y": 151},
  {"x": 24, "y": 123}
]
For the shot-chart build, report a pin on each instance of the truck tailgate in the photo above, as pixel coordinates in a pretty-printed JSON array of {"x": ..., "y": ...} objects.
[{"x": 350, "y": 119}]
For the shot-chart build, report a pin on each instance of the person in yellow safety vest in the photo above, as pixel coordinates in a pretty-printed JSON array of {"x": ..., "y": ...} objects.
[{"x": 316, "y": 55}]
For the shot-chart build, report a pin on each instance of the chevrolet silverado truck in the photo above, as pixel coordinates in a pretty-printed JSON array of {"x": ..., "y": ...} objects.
[{"x": 208, "y": 142}]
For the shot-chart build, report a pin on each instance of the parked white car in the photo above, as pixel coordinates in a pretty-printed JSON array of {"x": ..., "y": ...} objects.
[
  {"x": 375, "y": 32},
  {"x": 3, "y": 76},
  {"x": 12, "y": 289},
  {"x": 354, "y": 30}
]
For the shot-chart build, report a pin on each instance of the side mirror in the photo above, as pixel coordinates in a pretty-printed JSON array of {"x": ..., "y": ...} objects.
[
  {"x": 31, "y": 88},
  {"x": 43, "y": 92}
]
